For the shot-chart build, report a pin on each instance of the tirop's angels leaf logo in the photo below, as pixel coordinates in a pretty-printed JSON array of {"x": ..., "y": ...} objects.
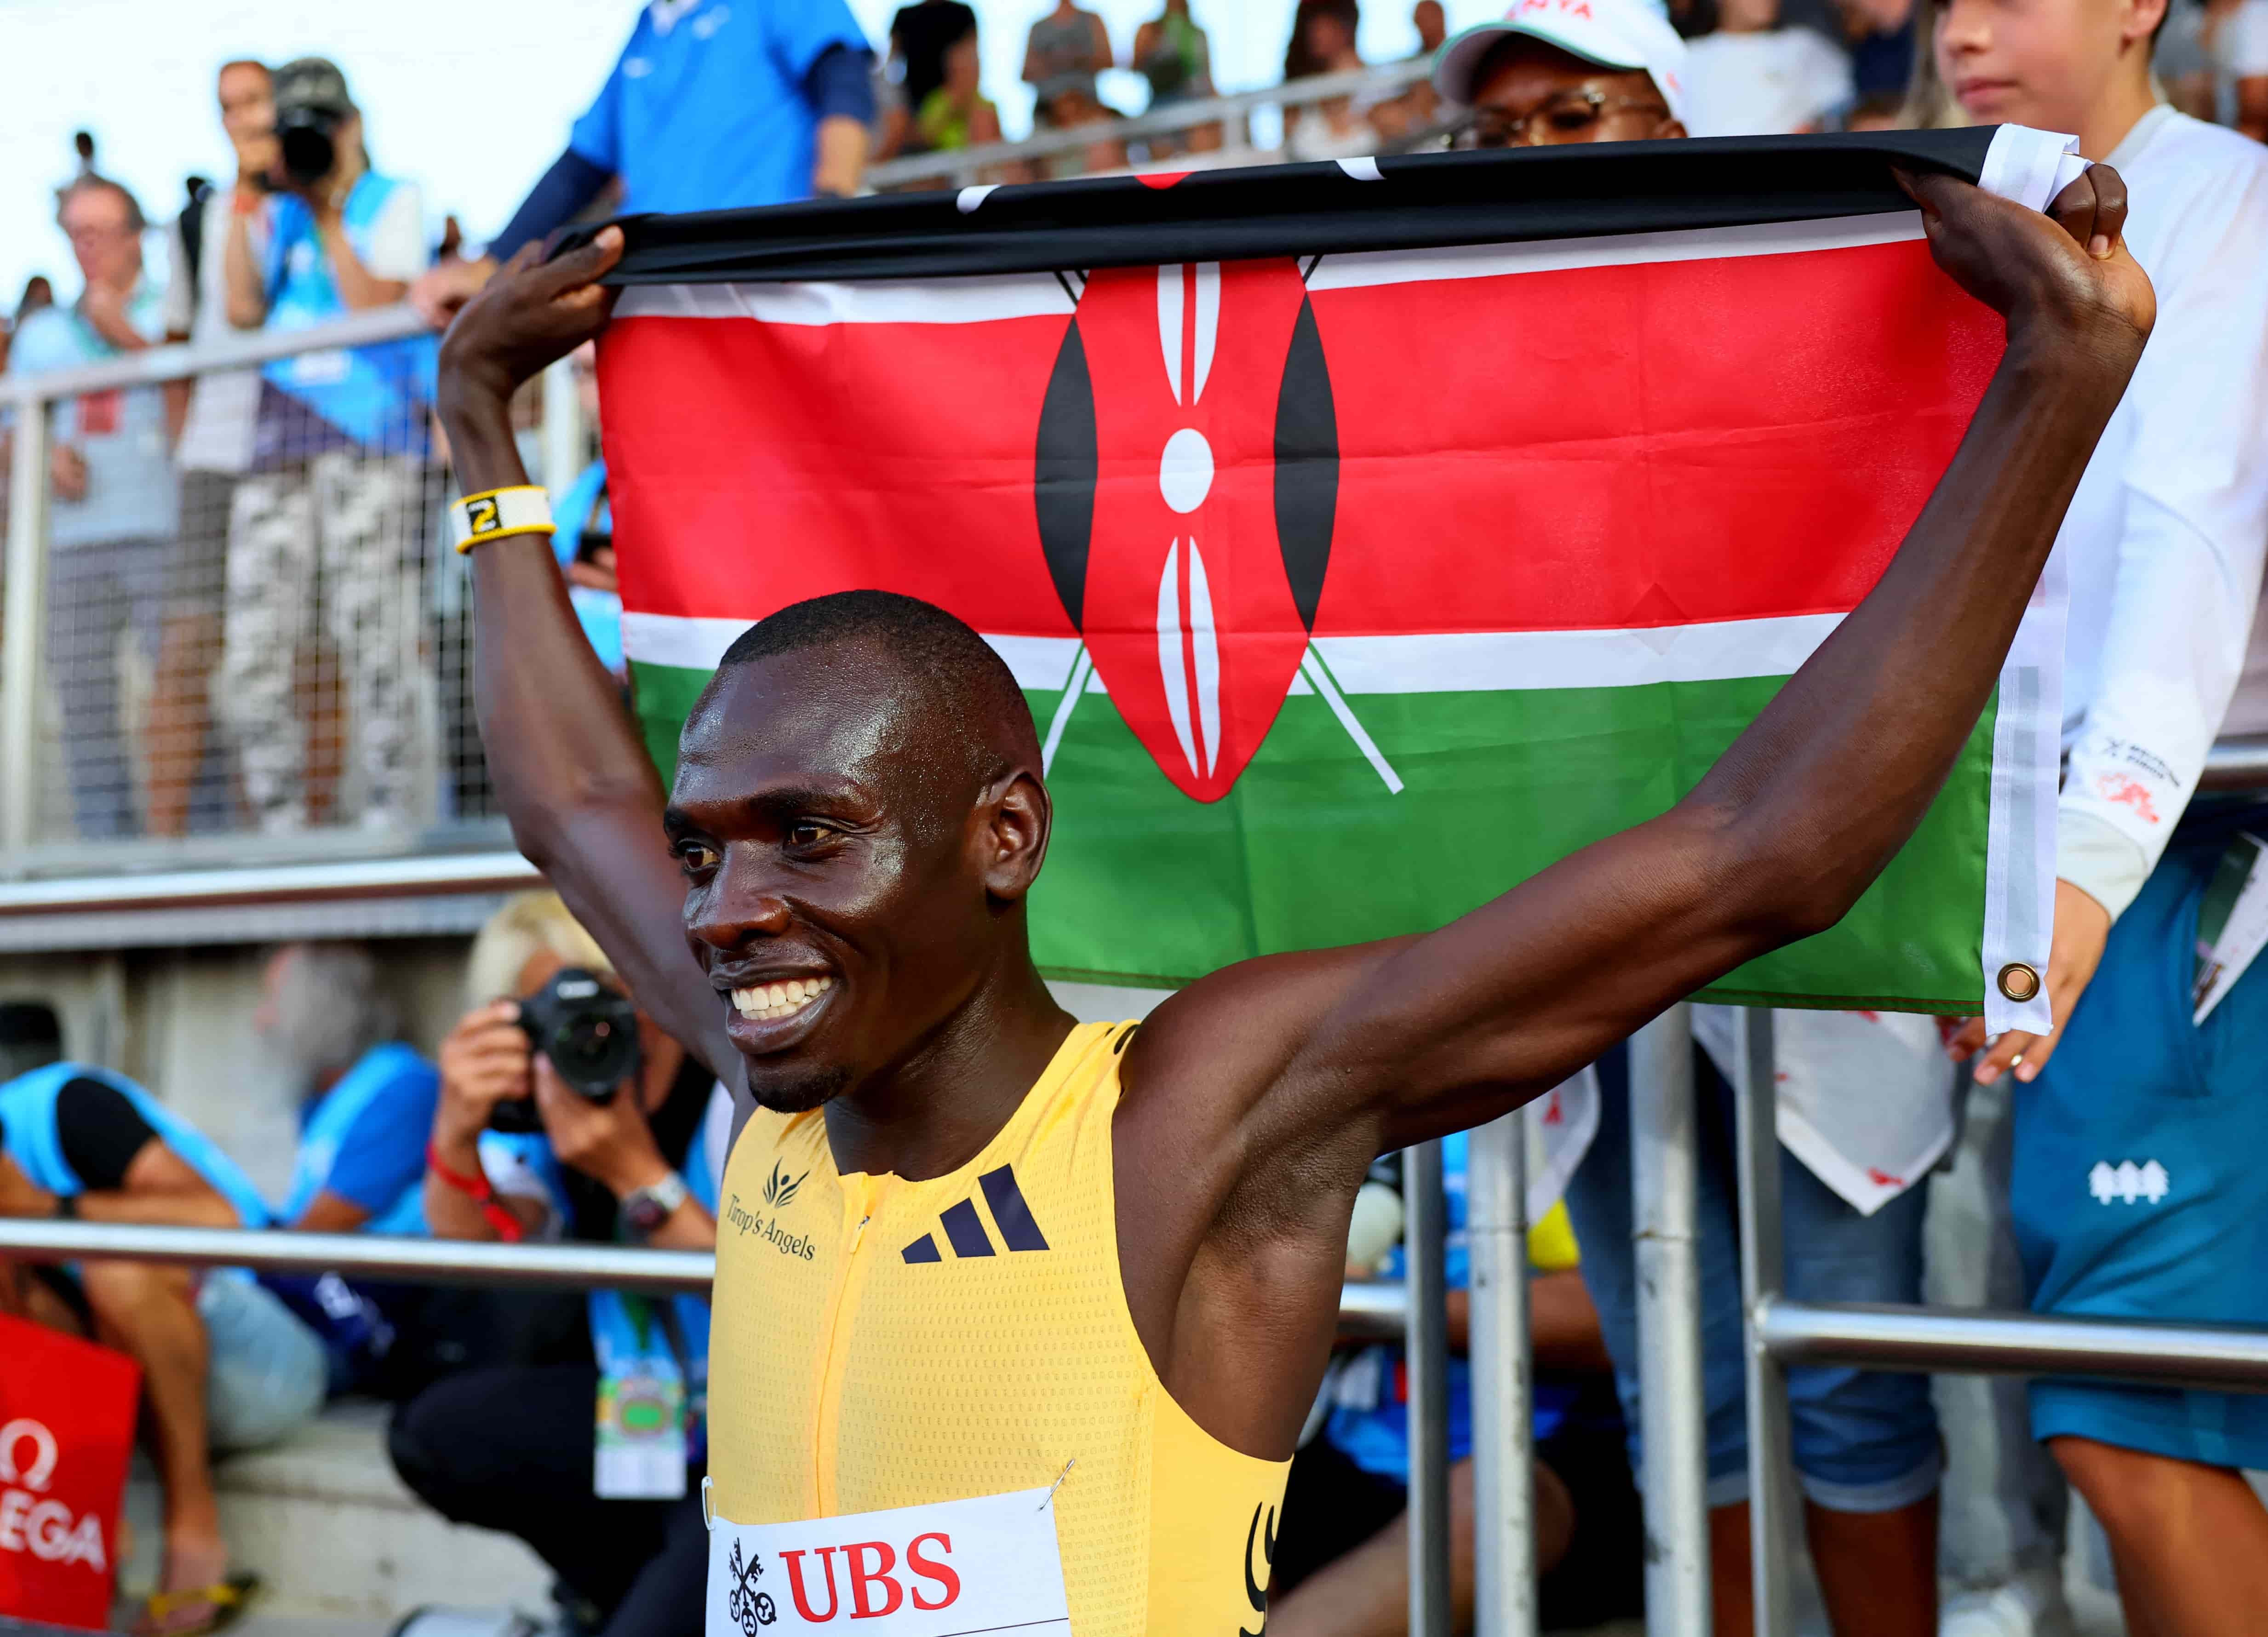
[
  {"x": 1187, "y": 484},
  {"x": 779, "y": 1188},
  {"x": 1255, "y": 1586}
]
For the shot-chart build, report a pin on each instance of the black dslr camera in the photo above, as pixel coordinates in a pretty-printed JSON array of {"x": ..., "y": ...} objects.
[
  {"x": 311, "y": 105},
  {"x": 588, "y": 1031}
]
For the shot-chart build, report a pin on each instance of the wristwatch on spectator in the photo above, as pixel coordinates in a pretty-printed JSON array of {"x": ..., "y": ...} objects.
[{"x": 646, "y": 1209}]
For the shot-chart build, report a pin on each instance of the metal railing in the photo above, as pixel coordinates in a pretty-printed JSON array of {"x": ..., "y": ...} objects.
[
  {"x": 38, "y": 687},
  {"x": 962, "y": 167}
]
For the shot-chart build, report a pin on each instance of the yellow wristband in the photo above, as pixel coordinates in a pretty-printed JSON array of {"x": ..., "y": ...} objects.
[{"x": 522, "y": 509}]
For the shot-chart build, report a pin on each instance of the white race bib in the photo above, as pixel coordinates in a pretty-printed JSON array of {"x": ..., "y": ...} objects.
[{"x": 944, "y": 1570}]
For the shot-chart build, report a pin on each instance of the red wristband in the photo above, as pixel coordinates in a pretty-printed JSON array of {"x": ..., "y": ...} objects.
[{"x": 478, "y": 1189}]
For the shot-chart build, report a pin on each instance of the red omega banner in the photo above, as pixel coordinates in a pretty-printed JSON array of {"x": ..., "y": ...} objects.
[
  {"x": 1366, "y": 536},
  {"x": 67, "y": 1411}
]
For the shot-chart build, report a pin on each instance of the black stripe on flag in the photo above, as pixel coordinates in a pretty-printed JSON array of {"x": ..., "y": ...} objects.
[
  {"x": 1579, "y": 191},
  {"x": 1009, "y": 1209},
  {"x": 966, "y": 1229}
]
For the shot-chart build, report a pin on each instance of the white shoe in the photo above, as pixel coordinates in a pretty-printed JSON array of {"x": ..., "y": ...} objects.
[{"x": 2028, "y": 1606}]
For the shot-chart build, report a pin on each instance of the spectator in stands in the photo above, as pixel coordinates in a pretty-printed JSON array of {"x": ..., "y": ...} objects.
[
  {"x": 1172, "y": 53},
  {"x": 2132, "y": 1098},
  {"x": 329, "y": 516},
  {"x": 1339, "y": 128},
  {"x": 1342, "y": 1556},
  {"x": 1074, "y": 107},
  {"x": 584, "y": 541},
  {"x": 920, "y": 36},
  {"x": 2225, "y": 43},
  {"x": 958, "y": 114},
  {"x": 710, "y": 107},
  {"x": 114, "y": 510},
  {"x": 1752, "y": 77},
  {"x": 1880, "y": 37},
  {"x": 616, "y": 1511},
  {"x": 1417, "y": 111},
  {"x": 369, "y": 1097},
  {"x": 225, "y": 1366},
  {"x": 1067, "y": 48},
  {"x": 216, "y": 443}
]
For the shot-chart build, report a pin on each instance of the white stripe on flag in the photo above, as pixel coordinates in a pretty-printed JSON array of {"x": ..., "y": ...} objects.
[
  {"x": 944, "y": 301},
  {"x": 1545, "y": 255},
  {"x": 1438, "y": 662}
]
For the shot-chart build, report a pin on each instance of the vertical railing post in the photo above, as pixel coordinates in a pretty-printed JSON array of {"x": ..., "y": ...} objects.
[
  {"x": 1427, "y": 1226},
  {"x": 25, "y": 590},
  {"x": 1665, "y": 1180},
  {"x": 1771, "y": 1500},
  {"x": 1503, "y": 1376}
]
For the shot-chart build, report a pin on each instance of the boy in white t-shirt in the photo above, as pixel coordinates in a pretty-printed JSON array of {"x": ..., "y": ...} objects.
[
  {"x": 2162, "y": 547},
  {"x": 1752, "y": 78}
]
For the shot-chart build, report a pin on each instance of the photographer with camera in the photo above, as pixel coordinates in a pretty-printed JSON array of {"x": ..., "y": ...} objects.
[
  {"x": 565, "y": 1112},
  {"x": 328, "y": 514}
]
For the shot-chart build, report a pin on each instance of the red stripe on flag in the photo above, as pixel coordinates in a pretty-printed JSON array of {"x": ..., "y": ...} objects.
[
  {"x": 1646, "y": 445},
  {"x": 753, "y": 465},
  {"x": 1600, "y": 447}
]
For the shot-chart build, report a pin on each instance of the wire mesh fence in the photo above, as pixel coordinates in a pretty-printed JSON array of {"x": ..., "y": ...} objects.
[{"x": 253, "y": 643}]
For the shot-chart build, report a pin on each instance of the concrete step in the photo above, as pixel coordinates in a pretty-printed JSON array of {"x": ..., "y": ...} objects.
[{"x": 335, "y": 1536}]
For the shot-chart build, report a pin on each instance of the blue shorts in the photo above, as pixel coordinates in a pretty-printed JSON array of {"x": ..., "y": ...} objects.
[
  {"x": 1864, "y": 1440},
  {"x": 2136, "y": 1084}
]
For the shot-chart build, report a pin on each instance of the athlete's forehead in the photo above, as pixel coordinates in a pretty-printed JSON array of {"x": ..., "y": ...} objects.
[{"x": 832, "y": 728}]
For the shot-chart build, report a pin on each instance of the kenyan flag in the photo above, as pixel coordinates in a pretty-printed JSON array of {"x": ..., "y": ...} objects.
[{"x": 1366, "y": 537}]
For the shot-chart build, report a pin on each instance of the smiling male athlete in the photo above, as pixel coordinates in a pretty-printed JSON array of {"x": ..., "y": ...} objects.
[{"x": 1027, "y": 1293}]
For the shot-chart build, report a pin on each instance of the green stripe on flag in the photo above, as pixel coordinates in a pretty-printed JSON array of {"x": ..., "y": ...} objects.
[{"x": 1144, "y": 886}]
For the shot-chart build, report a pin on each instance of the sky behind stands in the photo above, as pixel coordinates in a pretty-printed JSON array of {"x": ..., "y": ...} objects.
[{"x": 470, "y": 98}]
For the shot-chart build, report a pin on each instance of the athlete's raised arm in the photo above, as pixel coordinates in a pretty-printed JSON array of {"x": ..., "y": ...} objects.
[
  {"x": 584, "y": 802},
  {"x": 1371, "y": 1047}
]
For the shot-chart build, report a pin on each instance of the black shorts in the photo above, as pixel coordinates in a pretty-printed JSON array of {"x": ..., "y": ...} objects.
[{"x": 1331, "y": 1505}]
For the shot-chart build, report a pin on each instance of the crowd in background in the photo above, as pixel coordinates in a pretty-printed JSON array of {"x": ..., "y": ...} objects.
[{"x": 264, "y": 541}]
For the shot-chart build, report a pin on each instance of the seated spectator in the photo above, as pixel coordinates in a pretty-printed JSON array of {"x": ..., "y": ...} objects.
[
  {"x": 368, "y": 1098},
  {"x": 920, "y": 36},
  {"x": 1752, "y": 78},
  {"x": 1343, "y": 1551},
  {"x": 756, "y": 103},
  {"x": 541, "y": 1452},
  {"x": 958, "y": 114},
  {"x": 1065, "y": 50},
  {"x": 329, "y": 516},
  {"x": 1413, "y": 113},
  {"x": 115, "y": 514},
  {"x": 225, "y": 1366},
  {"x": 1075, "y": 108}
]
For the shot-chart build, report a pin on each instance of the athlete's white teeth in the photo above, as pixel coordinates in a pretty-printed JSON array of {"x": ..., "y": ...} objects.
[{"x": 770, "y": 1001}]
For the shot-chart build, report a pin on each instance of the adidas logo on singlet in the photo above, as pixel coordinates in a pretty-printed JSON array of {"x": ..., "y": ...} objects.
[{"x": 964, "y": 1228}]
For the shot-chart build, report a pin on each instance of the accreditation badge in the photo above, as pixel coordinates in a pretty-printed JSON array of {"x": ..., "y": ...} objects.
[
  {"x": 951, "y": 1569},
  {"x": 641, "y": 1449}
]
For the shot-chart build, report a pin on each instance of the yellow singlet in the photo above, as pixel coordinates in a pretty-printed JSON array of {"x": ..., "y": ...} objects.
[{"x": 879, "y": 1343}]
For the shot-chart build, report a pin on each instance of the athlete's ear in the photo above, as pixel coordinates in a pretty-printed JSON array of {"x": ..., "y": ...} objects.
[{"x": 1013, "y": 816}]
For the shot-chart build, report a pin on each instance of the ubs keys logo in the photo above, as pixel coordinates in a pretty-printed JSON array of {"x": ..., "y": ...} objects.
[{"x": 750, "y": 1609}]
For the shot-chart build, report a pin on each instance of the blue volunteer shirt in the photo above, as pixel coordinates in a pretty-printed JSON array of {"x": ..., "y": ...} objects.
[
  {"x": 1370, "y": 1425},
  {"x": 370, "y": 398},
  {"x": 130, "y": 487},
  {"x": 28, "y": 1111},
  {"x": 364, "y": 1140},
  {"x": 705, "y": 110}
]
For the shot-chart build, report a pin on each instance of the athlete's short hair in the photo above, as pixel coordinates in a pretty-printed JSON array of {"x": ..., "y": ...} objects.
[{"x": 965, "y": 680}]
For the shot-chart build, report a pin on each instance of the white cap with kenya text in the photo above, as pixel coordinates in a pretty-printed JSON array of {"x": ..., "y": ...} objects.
[{"x": 1614, "y": 34}]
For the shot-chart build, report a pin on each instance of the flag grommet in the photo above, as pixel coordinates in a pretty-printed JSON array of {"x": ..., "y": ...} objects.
[{"x": 2019, "y": 982}]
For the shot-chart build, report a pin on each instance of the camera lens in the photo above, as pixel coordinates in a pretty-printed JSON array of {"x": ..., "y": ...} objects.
[{"x": 308, "y": 151}]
